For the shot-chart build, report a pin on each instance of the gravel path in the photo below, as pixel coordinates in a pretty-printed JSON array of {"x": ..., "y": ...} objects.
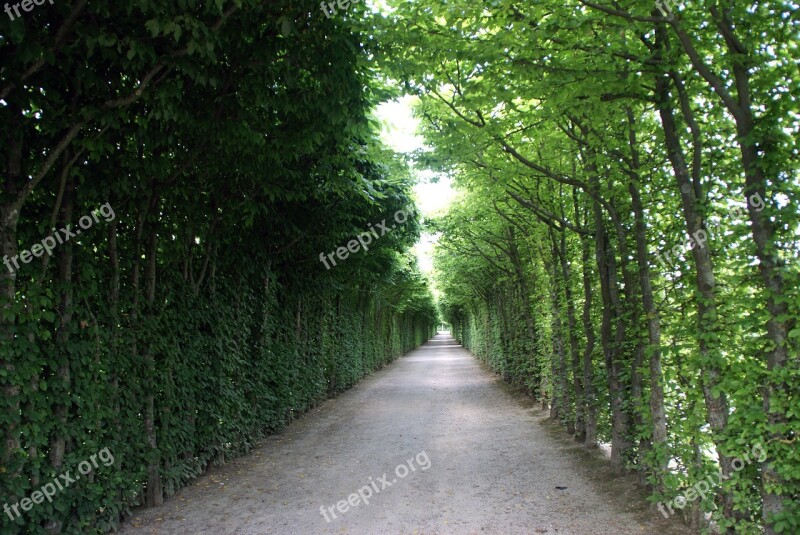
[{"x": 477, "y": 460}]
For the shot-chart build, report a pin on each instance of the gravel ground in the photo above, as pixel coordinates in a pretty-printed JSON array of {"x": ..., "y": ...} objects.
[{"x": 478, "y": 459}]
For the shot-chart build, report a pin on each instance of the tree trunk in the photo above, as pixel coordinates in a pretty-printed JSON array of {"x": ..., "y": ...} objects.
[
  {"x": 560, "y": 407},
  {"x": 61, "y": 409},
  {"x": 580, "y": 422},
  {"x": 708, "y": 326},
  {"x": 590, "y": 440},
  {"x": 505, "y": 336},
  {"x": 606, "y": 270},
  {"x": 155, "y": 494},
  {"x": 657, "y": 410},
  {"x": 621, "y": 444},
  {"x": 527, "y": 312}
]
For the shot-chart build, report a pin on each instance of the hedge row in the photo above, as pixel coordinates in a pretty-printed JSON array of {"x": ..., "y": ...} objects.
[{"x": 232, "y": 367}]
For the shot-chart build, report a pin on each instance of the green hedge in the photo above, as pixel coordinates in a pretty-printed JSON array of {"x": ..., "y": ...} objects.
[{"x": 231, "y": 367}]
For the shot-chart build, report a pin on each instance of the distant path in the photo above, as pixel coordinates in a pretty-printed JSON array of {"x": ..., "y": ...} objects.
[{"x": 494, "y": 465}]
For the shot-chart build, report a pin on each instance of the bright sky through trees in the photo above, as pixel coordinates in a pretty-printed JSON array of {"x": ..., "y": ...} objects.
[{"x": 399, "y": 131}]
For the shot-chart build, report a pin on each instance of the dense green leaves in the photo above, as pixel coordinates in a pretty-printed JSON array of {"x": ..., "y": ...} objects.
[
  {"x": 598, "y": 145},
  {"x": 233, "y": 141}
]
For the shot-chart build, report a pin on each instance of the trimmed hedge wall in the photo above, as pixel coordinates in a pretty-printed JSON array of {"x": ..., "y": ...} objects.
[{"x": 231, "y": 367}]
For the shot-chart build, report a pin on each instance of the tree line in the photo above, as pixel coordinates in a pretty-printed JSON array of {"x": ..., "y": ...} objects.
[
  {"x": 233, "y": 143},
  {"x": 626, "y": 241}
]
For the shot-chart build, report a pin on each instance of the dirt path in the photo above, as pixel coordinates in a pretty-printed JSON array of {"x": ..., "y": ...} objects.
[{"x": 479, "y": 460}]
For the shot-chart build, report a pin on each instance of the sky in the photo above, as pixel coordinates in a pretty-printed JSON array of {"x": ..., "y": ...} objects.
[{"x": 399, "y": 132}]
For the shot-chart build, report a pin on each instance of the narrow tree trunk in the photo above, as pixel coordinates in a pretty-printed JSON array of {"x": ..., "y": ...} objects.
[
  {"x": 627, "y": 352},
  {"x": 715, "y": 399},
  {"x": 113, "y": 314},
  {"x": 155, "y": 494},
  {"x": 505, "y": 335},
  {"x": 575, "y": 358},
  {"x": 61, "y": 409},
  {"x": 657, "y": 410},
  {"x": 606, "y": 270},
  {"x": 522, "y": 280},
  {"x": 560, "y": 406},
  {"x": 590, "y": 440},
  {"x": 621, "y": 444}
]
